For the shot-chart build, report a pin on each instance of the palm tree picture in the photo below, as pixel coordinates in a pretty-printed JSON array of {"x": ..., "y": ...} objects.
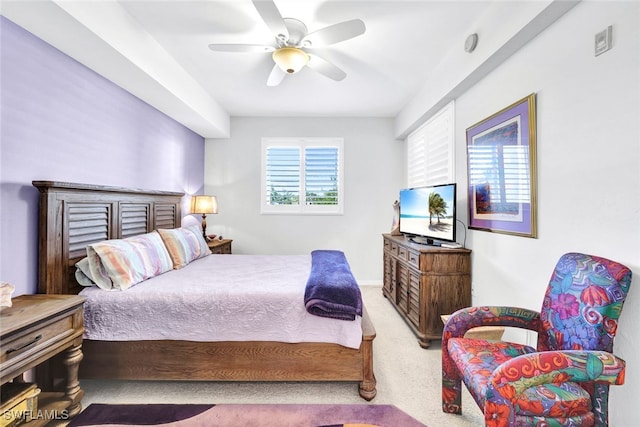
[{"x": 437, "y": 207}]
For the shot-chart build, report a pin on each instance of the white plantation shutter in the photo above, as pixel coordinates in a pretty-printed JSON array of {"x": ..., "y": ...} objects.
[
  {"x": 430, "y": 151},
  {"x": 321, "y": 175},
  {"x": 416, "y": 159},
  {"x": 283, "y": 174},
  {"x": 302, "y": 175}
]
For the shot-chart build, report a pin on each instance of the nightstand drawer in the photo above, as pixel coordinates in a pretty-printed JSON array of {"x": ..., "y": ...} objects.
[
  {"x": 225, "y": 249},
  {"x": 218, "y": 246},
  {"x": 35, "y": 339}
]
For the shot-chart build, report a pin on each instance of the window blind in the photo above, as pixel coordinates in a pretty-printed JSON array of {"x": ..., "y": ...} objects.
[
  {"x": 283, "y": 176},
  {"x": 430, "y": 150},
  {"x": 321, "y": 176}
]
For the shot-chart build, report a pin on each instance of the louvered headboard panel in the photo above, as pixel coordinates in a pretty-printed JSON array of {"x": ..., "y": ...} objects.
[
  {"x": 134, "y": 219},
  {"x": 73, "y": 216}
]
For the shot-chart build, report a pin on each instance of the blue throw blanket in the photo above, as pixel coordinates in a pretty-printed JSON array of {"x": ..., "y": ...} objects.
[{"x": 331, "y": 289}]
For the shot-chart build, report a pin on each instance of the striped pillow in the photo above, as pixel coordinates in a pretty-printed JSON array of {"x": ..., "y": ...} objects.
[
  {"x": 184, "y": 244},
  {"x": 121, "y": 263}
]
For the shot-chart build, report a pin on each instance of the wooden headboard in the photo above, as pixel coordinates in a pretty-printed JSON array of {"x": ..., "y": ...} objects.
[{"x": 73, "y": 216}]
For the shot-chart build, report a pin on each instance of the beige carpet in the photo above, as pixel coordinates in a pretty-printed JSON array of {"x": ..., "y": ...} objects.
[{"x": 408, "y": 377}]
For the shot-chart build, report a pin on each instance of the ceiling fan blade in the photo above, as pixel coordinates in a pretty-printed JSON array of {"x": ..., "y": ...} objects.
[
  {"x": 241, "y": 48},
  {"x": 325, "y": 68},
  {"x": 271, "y": 16},
  {"x": 276, "y": 76},
  {"x": 335, "y": 33}
]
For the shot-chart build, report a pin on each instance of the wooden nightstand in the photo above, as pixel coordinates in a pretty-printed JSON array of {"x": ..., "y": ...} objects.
[
  {"x": 220, "y": 246},
  {"x": 34, "y": 330}
]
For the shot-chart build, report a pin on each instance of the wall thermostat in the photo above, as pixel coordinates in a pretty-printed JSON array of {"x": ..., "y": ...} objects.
[{"x": 471, "y": 42}]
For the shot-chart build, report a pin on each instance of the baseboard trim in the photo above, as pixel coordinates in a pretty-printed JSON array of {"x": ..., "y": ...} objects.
[{"x": 375, "y": 283}]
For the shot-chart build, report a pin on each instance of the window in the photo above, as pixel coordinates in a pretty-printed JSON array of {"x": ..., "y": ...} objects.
[
  {"x": 430, "y": 151},
  {"x": 302, "y": 175}
]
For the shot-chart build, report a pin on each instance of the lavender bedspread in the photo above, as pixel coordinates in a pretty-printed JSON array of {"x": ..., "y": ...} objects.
[
  {"x": 217, "y": 298},
  {"x": 331, "y": 289}
]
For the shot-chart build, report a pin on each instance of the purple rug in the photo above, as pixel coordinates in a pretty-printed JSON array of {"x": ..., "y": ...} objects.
[{"x": 237, "y": 415}]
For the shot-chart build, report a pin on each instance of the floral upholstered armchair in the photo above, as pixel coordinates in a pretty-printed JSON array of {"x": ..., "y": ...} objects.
[{"x": 565, "y": 380}]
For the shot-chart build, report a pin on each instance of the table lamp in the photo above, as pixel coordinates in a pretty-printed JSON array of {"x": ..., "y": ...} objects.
[{"x": 204, "y": 205}]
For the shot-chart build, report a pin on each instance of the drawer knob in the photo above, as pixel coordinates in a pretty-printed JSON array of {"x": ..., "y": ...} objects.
[{"x": 33, "y": 341}]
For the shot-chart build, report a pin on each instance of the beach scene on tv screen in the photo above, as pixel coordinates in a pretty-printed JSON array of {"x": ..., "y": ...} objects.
[{"x": 428, "y": 212}]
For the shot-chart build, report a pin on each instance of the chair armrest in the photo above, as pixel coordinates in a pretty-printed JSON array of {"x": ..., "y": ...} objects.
[
  {"x": 511, "y": 378},
  {"x": 470, "y": 317},
  {"x": 530, "y": 370}
]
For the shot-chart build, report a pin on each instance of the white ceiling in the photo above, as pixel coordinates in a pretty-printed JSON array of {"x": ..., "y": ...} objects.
[
  {"x": 158, "y": 50},
  {"x": 384, "y": 66}
]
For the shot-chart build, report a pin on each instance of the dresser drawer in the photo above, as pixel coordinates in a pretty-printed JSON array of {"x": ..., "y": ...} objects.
[
  {"x": 403, "y": 253},
  {"x": 413, "y": 258},
  {"x": 35, "y": 339}
]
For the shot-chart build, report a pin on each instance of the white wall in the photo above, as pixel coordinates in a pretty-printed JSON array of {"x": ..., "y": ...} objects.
[
  {"x": 588, "y": 167},
  {"x": 374, "y": 165}
]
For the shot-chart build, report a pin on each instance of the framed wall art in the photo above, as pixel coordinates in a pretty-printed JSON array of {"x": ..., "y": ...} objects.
[{"x": 501, "y": 167}]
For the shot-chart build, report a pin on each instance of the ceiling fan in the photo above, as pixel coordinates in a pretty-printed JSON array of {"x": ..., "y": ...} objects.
[{"x": 292, "y": 42}]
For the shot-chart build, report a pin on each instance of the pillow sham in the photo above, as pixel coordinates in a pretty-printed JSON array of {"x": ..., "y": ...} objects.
[
  {"x": 184, "y": 244},
  {"x": 122, "y": 263},
  {"x": 83, "y": 273}
]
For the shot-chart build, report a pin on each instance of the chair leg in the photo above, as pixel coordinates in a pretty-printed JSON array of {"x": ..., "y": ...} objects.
[
  {"x": 600, "y": 402},
  {"x": 451, "y": 396},
  {"x": 451, "y": 386}
]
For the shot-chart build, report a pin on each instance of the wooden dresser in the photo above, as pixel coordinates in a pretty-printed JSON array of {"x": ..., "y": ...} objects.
[
  {"x": 423, "y": 282},
  {"x": 36, "y": 331}
]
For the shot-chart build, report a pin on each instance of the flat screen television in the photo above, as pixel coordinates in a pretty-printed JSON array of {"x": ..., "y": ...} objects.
[{"x": 428, "y": 214}]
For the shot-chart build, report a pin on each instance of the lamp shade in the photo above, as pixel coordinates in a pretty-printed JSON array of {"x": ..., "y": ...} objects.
[
  {"x": 204, "y": 205},
  {"x": 290, "y": 59}
]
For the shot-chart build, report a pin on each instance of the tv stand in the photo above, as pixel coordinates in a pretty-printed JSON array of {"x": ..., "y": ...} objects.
[
  {"x": 424, "y": 241},
  {"x": 424, "y": 282}
]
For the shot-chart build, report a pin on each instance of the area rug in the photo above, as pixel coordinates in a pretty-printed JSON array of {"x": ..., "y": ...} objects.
[{"x": 241, "y": 415}]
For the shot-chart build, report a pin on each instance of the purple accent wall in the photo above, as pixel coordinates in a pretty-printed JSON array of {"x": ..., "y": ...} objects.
[{"x": 60, "y": 121}]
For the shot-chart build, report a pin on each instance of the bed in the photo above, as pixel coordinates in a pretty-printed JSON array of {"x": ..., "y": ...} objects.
[{"x": 73, "y": 216}]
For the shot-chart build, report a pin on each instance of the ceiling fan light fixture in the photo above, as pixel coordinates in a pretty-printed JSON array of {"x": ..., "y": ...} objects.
[{"x": 290, "y": 59}]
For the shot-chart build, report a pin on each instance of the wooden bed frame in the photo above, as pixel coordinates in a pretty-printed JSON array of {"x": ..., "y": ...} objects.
[{"x": 75, "y": 215}]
